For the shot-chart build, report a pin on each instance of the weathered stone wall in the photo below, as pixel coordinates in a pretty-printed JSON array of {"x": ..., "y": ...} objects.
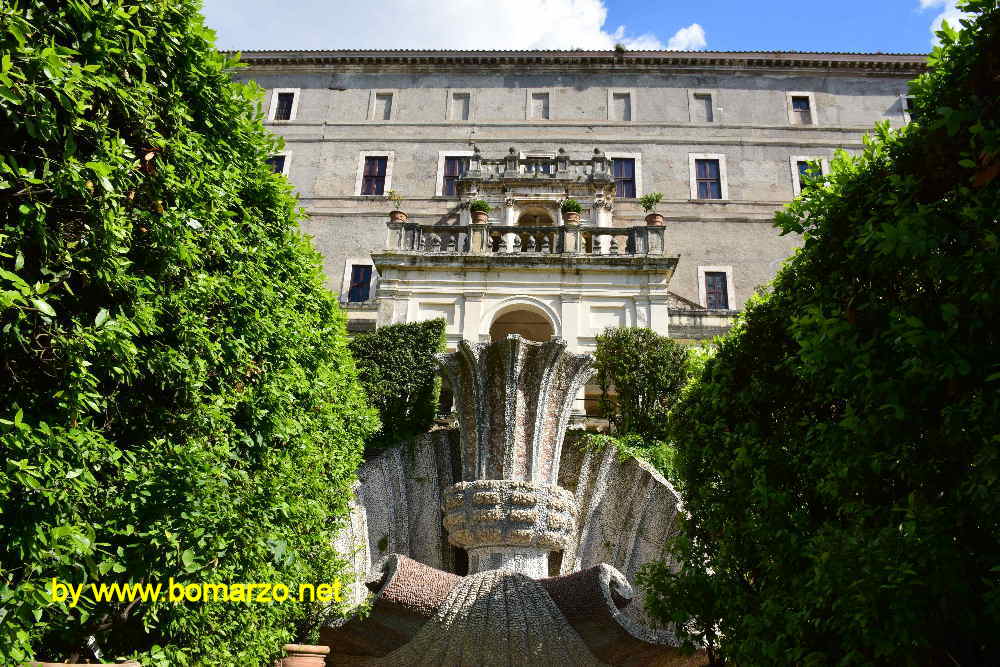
[{"x": 751, "y": 129}]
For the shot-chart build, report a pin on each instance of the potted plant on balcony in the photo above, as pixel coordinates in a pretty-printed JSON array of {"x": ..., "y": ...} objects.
[
  {"x": 480, "y": 211},
  {"x": 571, "y": 212},
  {"x": 648, "y": 203},
  {"x": 397, "y": 199}
]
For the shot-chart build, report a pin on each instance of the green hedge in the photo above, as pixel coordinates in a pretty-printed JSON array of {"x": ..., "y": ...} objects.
[
  {"x": 176, "y": 394},
  {"x": 647, "y": 372},
  {"x": 396, "y": 367},
  {"x": 840, "y": 456}
]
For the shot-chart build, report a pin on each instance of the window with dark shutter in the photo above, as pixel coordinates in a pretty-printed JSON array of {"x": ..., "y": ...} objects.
[
  {"x": 804, "y": 167},
  {"x": 716, "y": 293},
  {"x": 801, "y": 112},
  {"x": 361, "y": 283},
  {"x": 454, "y": 168},
  {"x": 283, "y": 111},
  {"x": 623, "y": 170},
  {"x": 373, "y": 181},
  {"x": 709, "y": 180},
  {"x": 277, "y": 163}
]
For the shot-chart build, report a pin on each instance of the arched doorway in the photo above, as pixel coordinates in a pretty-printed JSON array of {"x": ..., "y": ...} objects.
[
  {"x": 535, "y": 216},
  {"x": 528, "y": 324}
]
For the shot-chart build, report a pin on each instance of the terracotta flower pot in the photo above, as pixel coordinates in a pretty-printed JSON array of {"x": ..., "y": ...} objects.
[
  {"x": 571, "y": 218},
  {"x": 304, "y": 655},
  {"x": 480, "y": 217},
  {"x": 654, "y": 220},
  {"x": 397, "y": 216}
]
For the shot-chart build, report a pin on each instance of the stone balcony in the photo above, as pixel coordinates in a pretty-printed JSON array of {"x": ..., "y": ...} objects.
[{"x": 493, "y": 239}]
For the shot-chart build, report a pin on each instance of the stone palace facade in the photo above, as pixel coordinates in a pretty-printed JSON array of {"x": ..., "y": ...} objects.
[{"x": 725, "y": 137}]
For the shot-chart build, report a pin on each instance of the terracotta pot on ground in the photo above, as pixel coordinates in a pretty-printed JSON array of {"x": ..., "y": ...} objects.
[
  {"x": 304, "y": 655},
  {"x": 571, "y": 218},
  {"x": 480, "y": 218},
  {"x": 397, "y": 216},
  {"x": 654, "y": 220}
]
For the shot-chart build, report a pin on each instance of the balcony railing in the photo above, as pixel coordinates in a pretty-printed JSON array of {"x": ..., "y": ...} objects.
[{"x": 512, "y": 240}]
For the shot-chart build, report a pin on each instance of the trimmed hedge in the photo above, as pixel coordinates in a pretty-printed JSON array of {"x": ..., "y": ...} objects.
[
  {"x": 176, "y": 394},
  {"x": 647, "y": 372},
  {"x": 840, "y": 456},
  {"x": 396, "y": 367}
]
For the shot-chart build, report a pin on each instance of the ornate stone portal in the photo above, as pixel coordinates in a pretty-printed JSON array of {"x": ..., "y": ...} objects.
[{"x": 513, "y": 401}]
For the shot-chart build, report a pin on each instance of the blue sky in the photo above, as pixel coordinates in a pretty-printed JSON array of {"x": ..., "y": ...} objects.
[{"x": 890, "y": 26}]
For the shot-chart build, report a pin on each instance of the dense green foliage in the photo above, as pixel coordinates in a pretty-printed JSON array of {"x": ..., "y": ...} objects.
[
  {"x": 840, "y": 456},
  {"x": 176, "y": 394},
  {"x": 396, "y": 367},
  {"x": 650, "y": 200},
  {"x": 657, "y": 453},
  {"x": 646, "y": 371},
  {"x": 479, "y": 206},
  {"x": 571, "y": 206}
]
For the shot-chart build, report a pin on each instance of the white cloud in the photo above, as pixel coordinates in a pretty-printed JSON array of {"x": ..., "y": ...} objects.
[
  {"x": 427, "y": 24},
  {"x": 690, "y": 38},
  {"x": 948, "y": 12}
]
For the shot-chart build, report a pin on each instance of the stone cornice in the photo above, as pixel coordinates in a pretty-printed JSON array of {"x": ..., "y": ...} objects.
[{"x": 891, "y": 63}]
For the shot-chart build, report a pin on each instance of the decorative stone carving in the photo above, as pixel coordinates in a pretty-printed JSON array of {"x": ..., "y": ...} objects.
[{"x": 513, "y": 399}]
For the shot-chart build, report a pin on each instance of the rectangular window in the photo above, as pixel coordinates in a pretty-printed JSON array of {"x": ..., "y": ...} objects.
[
  {"x": 804, "y": 169},
  {"x": 621, "y": 106},
  {"x": 373, "y": 180},
  {"x": 454, "y": 168},
  {"x": 623, "y": 170},
  {"x": 283, "y": 108},
  {"x": 540, "y": 106},
  {"x": 801, "y": 111},
  {"x": 910, "y": 104},
  {"x": 361, "y": 283},
  {"x": 277, "y": 163},
  {"x": 383, "y": 106},
  {"x": 716, "y": 293},
  {"x": 703, "y": 108},
  {"x": 709, "y": 179},
  {"x": 460, "y": 105}
]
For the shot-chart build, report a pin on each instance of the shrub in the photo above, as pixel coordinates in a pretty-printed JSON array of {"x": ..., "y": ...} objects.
[
  {"x": 176, "y": 395},
  {"x": 479, "y": 206},
  {"x": 840, "y": 458},
  {"x": 647, "y": 372},
  {"x": 649, "y": 201},
  {"x": 657, "y": 453},
  {"x": 571, "y": 206},
  {"x": 396, "y": 367}
]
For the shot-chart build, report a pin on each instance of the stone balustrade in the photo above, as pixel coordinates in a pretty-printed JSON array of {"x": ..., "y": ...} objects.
[{"x": 478, "y": 239}]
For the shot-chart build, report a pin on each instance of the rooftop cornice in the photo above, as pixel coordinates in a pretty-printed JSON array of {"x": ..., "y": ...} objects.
[{"x": 902, "y": 62}]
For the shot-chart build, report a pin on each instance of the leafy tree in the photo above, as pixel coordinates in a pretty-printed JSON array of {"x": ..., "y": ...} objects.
[
  {"x": 396, "y": 367},
  {"x": 647, "y": 372},
  {"x": 176, "y": 394},
  {"x": 840, "y": 457}
]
